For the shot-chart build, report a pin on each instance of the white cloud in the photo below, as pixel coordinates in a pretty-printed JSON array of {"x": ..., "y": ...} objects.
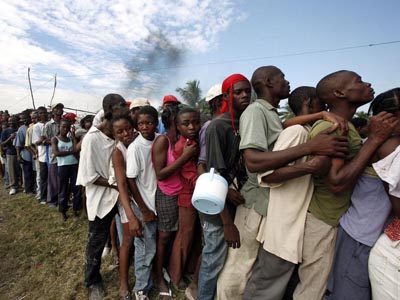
[{"x": 88, "y": 43}]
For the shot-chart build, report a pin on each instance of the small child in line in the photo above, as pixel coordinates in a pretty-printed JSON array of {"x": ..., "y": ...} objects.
[
  {"x": 169, "y": 185},
  {"x": 188, "y": 125},
  {"x": 143, "y": 184},
  {"x": 122, "y": 128}
]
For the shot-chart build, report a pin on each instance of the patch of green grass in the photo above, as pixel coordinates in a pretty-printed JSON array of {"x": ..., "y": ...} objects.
[{"x": 42, "y": 257}]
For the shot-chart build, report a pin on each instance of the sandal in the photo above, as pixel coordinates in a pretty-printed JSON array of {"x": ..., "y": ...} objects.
[
  {"x": 128, "y": 296},
  {"x": 165, "y": 295}
]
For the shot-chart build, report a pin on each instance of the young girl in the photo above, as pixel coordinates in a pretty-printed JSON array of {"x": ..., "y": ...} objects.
[
  {"x": 64, "y": 149},
  {"x": 188, "y": 125},
  {"x": 123, "y": 133},
  {"x": 166, "y": 167}
]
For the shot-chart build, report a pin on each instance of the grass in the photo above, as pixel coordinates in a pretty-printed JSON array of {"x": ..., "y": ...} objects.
[{"x": 42, "y": 257}]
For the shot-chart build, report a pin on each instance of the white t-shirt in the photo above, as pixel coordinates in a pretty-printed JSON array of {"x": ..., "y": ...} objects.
[
  {"x": 36, "y": 136},
  {"x": 140, "y": 167},
  {"x": 94, "y": 163}
]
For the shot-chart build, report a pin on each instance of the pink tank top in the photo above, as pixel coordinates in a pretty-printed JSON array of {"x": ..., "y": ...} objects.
[{"x": 172, "y": 185}]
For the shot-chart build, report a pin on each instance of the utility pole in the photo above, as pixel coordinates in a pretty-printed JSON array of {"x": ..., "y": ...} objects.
[{"x": 30, "y": 87}]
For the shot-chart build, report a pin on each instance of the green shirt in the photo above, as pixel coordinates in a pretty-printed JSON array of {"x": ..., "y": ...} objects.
[
  {"x": 260, "y": 127},
  {"x": 325, "y": 205}
]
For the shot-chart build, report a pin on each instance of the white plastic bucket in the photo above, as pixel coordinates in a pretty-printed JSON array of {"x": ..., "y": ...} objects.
[{"x": 210, "y": 193}]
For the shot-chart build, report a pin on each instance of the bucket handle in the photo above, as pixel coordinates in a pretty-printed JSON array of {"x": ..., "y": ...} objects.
[{"x": 212, "y": 171}]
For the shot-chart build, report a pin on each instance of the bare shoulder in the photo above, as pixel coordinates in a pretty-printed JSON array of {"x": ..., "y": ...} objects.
[{"x": 388, "y": 147}]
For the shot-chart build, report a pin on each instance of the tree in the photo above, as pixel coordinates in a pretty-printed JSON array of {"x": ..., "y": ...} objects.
[
  {"x": 362, "y": 115},
  {"x": 191, "y": 94}
]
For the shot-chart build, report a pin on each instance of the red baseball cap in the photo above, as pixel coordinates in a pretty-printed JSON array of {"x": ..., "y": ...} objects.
[{"x": 170, "y": 98}]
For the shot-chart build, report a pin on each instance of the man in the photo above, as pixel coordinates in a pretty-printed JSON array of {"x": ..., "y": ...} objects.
[
  {"x": 23, "y": 154},
  {"x": 41, "y": 164},
  {"x": 168, "y": 101},
  {"x": 93, "y": 173},
  {"x": 343, "y": 92},
  {"x": 8, "y": 136},
  {"x": 260, "y": 127},
  {"x": 51, "y": 130},
  {"x": 281, "y": 231},
  {"x": 222, "y": 148}
]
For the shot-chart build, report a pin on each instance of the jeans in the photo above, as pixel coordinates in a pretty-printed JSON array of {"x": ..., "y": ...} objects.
[
  {"x": 213, "y": 259},
  {"x": 43, "y": 181},
  {"x": 98, "y": 232},
  {"x": 118, "y": 225},
  {"x": 29, "y": 183},
  {"x": 67, "y": 183},
  {"x": 37, "y": 169},
  {"x": 145, "y": 250},
  {"x": 52, "y": 184}
]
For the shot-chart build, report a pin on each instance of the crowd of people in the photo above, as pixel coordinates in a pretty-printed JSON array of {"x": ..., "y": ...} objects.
[{"x": 312, "y": 209}]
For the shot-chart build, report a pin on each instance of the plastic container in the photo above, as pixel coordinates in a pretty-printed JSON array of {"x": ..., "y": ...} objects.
[{"x": 210, "y": 193}]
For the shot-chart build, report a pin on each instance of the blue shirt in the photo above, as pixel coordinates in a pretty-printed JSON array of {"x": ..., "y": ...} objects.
[
  {"x": 20, "y": 142},
  {"x": 10, "y": 145}
]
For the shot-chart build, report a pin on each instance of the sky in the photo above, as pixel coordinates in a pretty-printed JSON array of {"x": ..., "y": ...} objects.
[{"x": 149, "y": 48}]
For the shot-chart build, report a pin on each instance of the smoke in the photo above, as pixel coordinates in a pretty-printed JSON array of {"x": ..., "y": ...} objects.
[{"x": 153, "y": 65}]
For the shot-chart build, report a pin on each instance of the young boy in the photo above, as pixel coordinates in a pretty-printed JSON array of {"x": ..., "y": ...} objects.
[
  {"x": 222, "y": 142},
  {"x": 343, "y": 92},
  {"x": 143, "y": 184},
  {"x": 93, "y": 173}
]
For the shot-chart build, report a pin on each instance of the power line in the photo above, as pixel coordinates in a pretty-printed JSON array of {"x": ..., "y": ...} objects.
[
  {"x": 242, "y": 59},
  {"x": 40, "y": 86}
]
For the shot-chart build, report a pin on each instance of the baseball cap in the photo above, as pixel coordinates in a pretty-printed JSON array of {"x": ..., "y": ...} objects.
[
  {"x": 170, "y": 98},
  {"x": 70, "y": 116},
  {"x": 214, "y": 91},
  {"x": 58, "y": 105},
  {"x": 139, "y": 102}
]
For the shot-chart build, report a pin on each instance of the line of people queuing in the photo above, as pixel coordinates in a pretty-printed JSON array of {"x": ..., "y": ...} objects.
[{"x": 312, "y": 210}]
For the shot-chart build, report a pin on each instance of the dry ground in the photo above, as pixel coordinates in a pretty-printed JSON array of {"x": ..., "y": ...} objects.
[{"x": 42, "y": 257}]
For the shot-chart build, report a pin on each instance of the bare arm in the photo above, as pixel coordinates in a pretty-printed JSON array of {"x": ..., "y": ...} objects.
[
  {"x": 231, "y": 233},
  {"x": 9, "y": 139},
  {"x": 323, "y": 144},
  {"x": 119, "y": 169},
  {"x": 338, "y": 122},
  {"x": 317, "y": 165},
  {"x": 147, "y": 214},
  {"x": 343, "y": 176},
  {"x": 56, "y": 152},
  {"x": 160, "y": 153},
  {"x": 104, "y": 182},
  {"x": 201, "y": 168}
]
